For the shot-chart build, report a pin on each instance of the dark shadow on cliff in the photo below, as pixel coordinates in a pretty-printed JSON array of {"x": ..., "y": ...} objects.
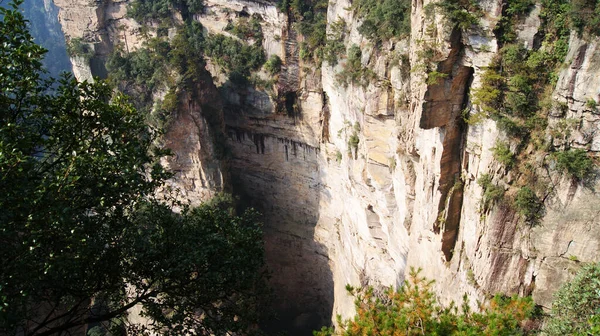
[
  {"x": 275, "y": 172},
  {"x": 300, "y": 275}
]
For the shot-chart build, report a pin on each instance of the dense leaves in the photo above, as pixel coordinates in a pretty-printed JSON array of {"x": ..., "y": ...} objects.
[
  {"x": 576, "y": 162},
  {"x": 233, "y": 55},
  {"x": 414, "y": 310},
  {"x": 576, "y": 306},
  {"x": 143, "y": 72},
  {"x": 144, "y": 10},
  {"x": 83, "y": 236},
  {"x": 383, "y": 20},
  {"x": 353, "y": 72}
]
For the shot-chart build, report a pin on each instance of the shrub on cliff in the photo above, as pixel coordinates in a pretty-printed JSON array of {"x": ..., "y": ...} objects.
[
  {"x": 273, "y": 65},
  {"x": 491, "y": 192},
  {"x": 414, "y": 310},
  {"x": 576, "y": 162},
  {"x": 503, "y": 154},
  {"x": 77, "y": 47},
  {"x": 84, "y": 237},
  {"x": 353, "y": 72},
  {"x": 528, "y": 204}
]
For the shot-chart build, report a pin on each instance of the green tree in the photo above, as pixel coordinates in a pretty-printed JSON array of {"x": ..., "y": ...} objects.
[
  {"x": 383, "y": 20},
  {"x": 273, "y": 65},
  {"x": 413, "y": 310},
  {"x": 83, "y": 236},
  {"x": 528, "y": 204},
  {"x": 575, "y": 161},
  {"x": 576, "y": 305}
]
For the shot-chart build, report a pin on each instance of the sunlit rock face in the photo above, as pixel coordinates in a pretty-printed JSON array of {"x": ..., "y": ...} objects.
[{"x": 406, "y": 195}]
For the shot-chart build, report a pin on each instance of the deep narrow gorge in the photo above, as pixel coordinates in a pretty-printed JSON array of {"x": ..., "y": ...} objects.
[{"x": 371, "y": 153}]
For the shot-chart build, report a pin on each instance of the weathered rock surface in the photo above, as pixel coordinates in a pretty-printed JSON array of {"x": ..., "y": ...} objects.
[{"x": 407, "y": 195}]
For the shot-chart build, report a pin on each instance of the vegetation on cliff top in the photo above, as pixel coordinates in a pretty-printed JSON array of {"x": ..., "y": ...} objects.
[
  {"x": 383, "y": 20},
  {"x": 84, "y": 236},
  {"x": 146, "y": 10},
  {"x": 462, "y": 14}
]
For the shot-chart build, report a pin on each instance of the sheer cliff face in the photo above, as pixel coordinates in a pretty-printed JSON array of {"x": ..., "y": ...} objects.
[
  {"x": 341, "y": 211},
  {"x": 104, "y": 26}
]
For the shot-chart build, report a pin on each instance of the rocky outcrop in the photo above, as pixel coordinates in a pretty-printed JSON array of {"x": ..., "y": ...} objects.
[
  {"x": 406, "y": 195},
  {"x": 101, "y": 25},
  {"x": 192, "y": 134}
]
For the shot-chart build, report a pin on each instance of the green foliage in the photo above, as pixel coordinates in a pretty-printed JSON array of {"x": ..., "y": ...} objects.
[
  {"x": 77, "y": 47},
  {"x": 591, "y": 103},
  {"x": 463, "y": 14},
  {"x": 186, "y": 53},
  {"x": 234, "y": 56},
  {"x": 576, "y": 305},
  {"x": 353, "y": 71},
  {"x": 333, "y": 49},
  {"x": 576, "y": 162},
  {"x": 383, "y": 20},
  {"x": 519, "y": 7},
  {"x": 247, "y": 28},
  {"x": 311, "y": 21},
  {"x": 516, "y": 89},
  {"x": 513, "y": 11},
  {"x": 353, "y": 141},
  {"x": 143, "y": 67},
  {"x": 148, "y": 10},
  {"x": 528, "y": 204},
  {"x": 471, "y": 278},
  {"x": 414, "y": 310},
  {"x": 81, "y": 225},
  {"x": 585, "y": 16},
  {"x": 491, "y": 192},
  {"x": 515, "y": 85},
  {"x": 503, "y": 154},
  {"x": 338, "y": 156},
  {"x": 434, "y": 77},
  {"x": 487, "y": 96},
  {"x": 335, "y": 46},
  {"x": 473, "y": 119},
  {"x": 273, "y": 65},
  {"x": 141, "y": 72}
]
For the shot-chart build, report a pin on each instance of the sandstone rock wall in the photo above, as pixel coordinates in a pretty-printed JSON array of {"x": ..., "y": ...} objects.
[{"x": 407, "y": 195}]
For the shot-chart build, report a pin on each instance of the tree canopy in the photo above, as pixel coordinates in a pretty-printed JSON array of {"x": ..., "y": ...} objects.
[
  {"x": 84, "y": 237},
  {"x": 414, "y": 310}
]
